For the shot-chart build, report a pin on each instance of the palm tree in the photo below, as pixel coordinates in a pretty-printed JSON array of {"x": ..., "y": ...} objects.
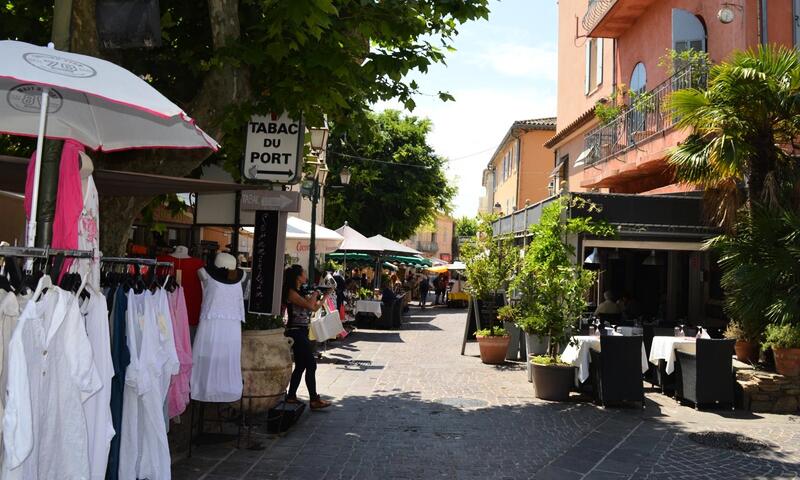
[{"x": 745, "y": 131}]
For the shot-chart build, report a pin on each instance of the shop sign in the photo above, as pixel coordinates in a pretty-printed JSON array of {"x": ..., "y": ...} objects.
[
  {"x": 268, "y": 246},
  {"x": 274, "y": 149},
  {"x": 281, "y": 201}
]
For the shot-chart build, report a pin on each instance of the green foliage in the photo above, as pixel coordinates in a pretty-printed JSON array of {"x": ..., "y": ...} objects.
[
  {"x": 738, "y": 331},
  {"x": 466, "y": 226},
  {"x": 782, "y": 336},
  {"x": 607, "y": 111},
  {"x": 492, "y": 332},
  {"x": 546, "y": 360},
  {"x": 262, "y": 322},
  {"x": 386, "y": 199},
  {"x": 552, "y": 287},
  {"x": 761, "y": 268},
  {"x": 745, "y": 126},
  {"x": 364, "y": 293},
  {"x": 674, "y": 61},
  {"x": 643, "y": 101},
  {"x": 491, "y": 261},
  {"x": 507, "y": 313}
]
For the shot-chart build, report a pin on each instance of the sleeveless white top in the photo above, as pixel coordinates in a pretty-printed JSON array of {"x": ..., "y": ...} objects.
[{"x": 217, "y": 348}]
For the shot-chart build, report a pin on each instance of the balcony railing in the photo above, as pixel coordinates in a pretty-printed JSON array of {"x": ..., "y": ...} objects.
[
  {"x": 648, "y": 116},
  {"x": 427, "y": 246}
]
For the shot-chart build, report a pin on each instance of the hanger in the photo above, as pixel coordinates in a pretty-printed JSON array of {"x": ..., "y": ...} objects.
[{"x": 44, "y": 283}]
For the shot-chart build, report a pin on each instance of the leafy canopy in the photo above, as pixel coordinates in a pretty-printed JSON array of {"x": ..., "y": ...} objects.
[
  {"x": 491, "y": 261},
  {"x": 745, "y": 128},
  {"x": 386, "y": 198},
  {"x": 466, "y": 227},
  {"x": 552, "y": 288}
]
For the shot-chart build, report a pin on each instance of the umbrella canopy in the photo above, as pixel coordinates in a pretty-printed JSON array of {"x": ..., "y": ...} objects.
[
  {"x": 355, "y": 242},
  {"x": 298, "y": 237},
  {"x": 409, "y": 260},
  {"x": 457, "y": 266},
  {"x": 390, "y": 245},
  {"x": 92, "y": 101}
]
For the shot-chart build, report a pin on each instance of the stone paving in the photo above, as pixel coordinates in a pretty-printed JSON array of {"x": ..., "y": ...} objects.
[{"x": 423, "y": 411}]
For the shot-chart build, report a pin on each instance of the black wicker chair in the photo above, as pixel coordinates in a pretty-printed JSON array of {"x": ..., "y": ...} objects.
[
  {"x": 707, "y": 377},
  {"x": 385, "y": 322},
  {"x": 618, "y": 370},
  {"x": 397, "y": 313}
]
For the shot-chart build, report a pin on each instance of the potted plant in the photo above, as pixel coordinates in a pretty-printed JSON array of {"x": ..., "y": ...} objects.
[
  {"x": 784, "y": 339},
  {"x": 553, "y": 289},
  {"x": 491, "y": 262},
  {"x": 747, "y": 346},
  {"x": 266, "y": 360}
]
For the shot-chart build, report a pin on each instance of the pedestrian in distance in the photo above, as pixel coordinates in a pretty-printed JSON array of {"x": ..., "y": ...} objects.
[
  {"x": 424, "y": 286},
  {"x": 300, "y": 309}
]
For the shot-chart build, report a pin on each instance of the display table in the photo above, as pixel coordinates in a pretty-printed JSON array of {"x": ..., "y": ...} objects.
[
  {"x": 368, "y": 306},
  {"x": 664, "y": 348},
  {"x": 577, "y": 355}
]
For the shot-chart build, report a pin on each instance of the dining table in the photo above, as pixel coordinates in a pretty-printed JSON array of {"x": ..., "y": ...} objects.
[
  {"x": 664, "y": 348},
  {"x": 577, "y": 354},
  {"x": 368, "y": 306}
]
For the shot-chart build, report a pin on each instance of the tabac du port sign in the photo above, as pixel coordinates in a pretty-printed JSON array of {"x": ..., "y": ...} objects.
[{"x": 274, "y": 149}]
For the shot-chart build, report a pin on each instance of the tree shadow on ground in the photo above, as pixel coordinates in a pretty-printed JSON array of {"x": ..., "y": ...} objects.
[{"x": 393, "y": 434}]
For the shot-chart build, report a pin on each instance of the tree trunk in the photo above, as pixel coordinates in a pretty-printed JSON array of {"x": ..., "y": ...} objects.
[{"x": 222, "y": 88}]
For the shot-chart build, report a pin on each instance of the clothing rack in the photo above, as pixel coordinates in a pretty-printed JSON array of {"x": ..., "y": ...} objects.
[
  {"x": 45, "y": 252},
  {"x": 136, "y": 261}
]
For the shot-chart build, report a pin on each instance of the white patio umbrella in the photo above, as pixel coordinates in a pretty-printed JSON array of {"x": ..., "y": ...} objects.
[
  {"x": 298, "y": 238},
  {"x": 54, "y": 94},
  {"x": 390, "y": 245}
]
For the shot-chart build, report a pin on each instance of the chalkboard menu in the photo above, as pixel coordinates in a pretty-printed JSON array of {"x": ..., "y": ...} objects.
[
  {"x": 480, "y": 315},
  {"x": 265, "y": 241}
]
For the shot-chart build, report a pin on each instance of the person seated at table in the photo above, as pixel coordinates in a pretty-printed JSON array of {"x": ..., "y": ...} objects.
[
  {"x": 387, "y": 293},
  {"x": 608, "y": 306},
  {"x": 629, "y": 306}
]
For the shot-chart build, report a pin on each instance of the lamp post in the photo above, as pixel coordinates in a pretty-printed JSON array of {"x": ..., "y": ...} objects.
[{"x": 319, "y": 142}]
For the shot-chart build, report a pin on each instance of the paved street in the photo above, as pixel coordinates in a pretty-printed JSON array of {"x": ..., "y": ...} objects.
[{"x": 420, "y": 410}]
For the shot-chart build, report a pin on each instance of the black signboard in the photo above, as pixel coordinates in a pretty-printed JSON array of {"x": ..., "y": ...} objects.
[
  {"x": 128, "y": 23},
  {"x": 481, "y": 314},
  {"x": 265, "y": 241}
]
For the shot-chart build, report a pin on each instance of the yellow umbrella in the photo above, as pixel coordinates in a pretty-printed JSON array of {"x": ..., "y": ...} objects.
[{"x": 437, "y": 269}]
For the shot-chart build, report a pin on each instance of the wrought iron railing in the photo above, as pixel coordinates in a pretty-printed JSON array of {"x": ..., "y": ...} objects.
[{"x": 647, "y": 116}]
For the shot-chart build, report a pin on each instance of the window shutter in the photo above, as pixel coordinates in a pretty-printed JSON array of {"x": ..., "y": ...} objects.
[
  {"x": 599, "y": 61},
  {"x": 586, "y": 86}
]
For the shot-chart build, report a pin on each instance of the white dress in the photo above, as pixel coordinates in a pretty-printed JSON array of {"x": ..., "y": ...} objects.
[
  {"x": 89, "y": 233},
  {"x": 51, "y": 373},
  {"x": 98, "y": 407},
  {"x": 144, "y": 451},
  {"x": 217, "y": 348}
]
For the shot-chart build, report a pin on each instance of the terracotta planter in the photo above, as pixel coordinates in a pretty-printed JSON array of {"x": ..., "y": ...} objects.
[
  {"x": 746, "y": 351},
  {"x": 553, "y": 382},
  {"x": 266, "y": 367},
  {"x": 787, "y": 361},
  {"x": 493, "y": 349}
]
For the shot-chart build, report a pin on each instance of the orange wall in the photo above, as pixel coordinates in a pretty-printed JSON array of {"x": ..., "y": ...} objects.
[
  {"x": 571, "y": 64},
  {"x": 536, "y": 164},
  {"x": 780, "y": 22}
]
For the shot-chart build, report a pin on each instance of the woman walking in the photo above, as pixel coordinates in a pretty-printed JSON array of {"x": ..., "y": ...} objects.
[{"x": 300, "y": 310}]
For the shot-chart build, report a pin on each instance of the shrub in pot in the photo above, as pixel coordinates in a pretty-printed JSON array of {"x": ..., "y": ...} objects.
[
  {"x": 553, "y": 289},
  {"x": 785, "y": 343},
  {"x": 747, "y": 346},
  {"x": 491, "y": 263}
]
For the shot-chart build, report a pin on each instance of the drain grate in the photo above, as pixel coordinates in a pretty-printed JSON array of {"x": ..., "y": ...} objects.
[{"x": 729, "y": 441}]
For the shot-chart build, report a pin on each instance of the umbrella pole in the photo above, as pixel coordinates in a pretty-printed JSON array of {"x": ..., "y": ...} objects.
[{"x": 31, "y": 236}]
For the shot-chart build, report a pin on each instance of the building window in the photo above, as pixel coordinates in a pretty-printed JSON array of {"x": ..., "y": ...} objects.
[
  {"x": 594, "y": 64},
  {"x": 688, "y": 31},
  {"x": 639, "y": 78}
]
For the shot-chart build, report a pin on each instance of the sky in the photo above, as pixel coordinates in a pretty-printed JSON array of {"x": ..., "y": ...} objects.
[{"x": 503, "y": 70}]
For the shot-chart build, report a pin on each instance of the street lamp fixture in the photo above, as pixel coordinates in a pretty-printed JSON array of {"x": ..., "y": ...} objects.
[
  {"x": 319, "y": 136},
  {"x": 344, "y": 176}
]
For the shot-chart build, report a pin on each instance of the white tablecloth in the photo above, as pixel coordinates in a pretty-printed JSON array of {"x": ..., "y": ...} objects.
[
  {"x": 663, "y": 348},
  {"x": 368, "y": 306},
  {"x": 577, "y": 354},
  {"x": 630, "y": 331}
]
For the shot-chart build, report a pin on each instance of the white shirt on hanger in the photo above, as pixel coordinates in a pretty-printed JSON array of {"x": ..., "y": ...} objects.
[
  {"x": 9, "y": 314},
  {"x": 98, "y": 408},
  {"x": 51, "y": 374}
]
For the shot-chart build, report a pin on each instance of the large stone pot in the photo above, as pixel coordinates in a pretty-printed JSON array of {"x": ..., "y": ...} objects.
[
  {"x": 787, "y": 361},
  {"x": 747, "y": 352},
  {"x": 266, "y": 367},
  {"x": 493, "y": 349},
  {"x": 553, "y": 382},
  {"x": 535, "y": 345}
]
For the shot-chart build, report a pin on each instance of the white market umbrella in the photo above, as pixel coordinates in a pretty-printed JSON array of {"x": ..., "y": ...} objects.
[
  {"x": 62, "y": 95},
  {"x": 457, "y": 266},
  {"x": 390, "y": 245},
  {"x": 356, "y": 242},
  {"x": 298, "y": 237}
]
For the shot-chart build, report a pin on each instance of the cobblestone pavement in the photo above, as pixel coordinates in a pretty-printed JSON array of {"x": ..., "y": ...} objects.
[{"x": 420, "y": 410}]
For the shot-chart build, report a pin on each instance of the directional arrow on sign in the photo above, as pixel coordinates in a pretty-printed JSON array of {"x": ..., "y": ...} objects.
[
  {"x": 270, "y": 200},
  {"x": 275, "y": 172}
]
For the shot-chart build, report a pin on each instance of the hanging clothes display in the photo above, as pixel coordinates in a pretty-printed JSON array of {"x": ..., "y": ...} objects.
[
  {"x": 186, "y": 269},
  {"x": 120, "y": 357},
  {"x": 216, "y": 353},
  {"x": 51, "y": 373},
  {"x": 144, "y": 451},
  {"x": 98, "y": 408},
  {"x": 179, "y": 393},
  {"x": 9, "y": 313},
  {"x": 88, "y": 233}
]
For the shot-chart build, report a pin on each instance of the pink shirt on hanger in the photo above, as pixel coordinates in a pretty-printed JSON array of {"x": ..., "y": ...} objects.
[{"x": 179, "y": 392}]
